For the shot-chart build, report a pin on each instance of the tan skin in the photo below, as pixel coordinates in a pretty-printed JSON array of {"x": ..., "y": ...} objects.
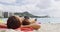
[{"x": 34, "y": 25}]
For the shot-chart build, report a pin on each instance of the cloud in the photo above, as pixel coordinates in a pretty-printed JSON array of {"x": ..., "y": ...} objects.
[
  {"x": 39, "y": 6},
  {"x": 39, "y": 3},
  {"x": 8, "y": 1},
  {"x": 10, "y": 8},
  {"x": 22, "y": 8},
  {"x": 57, "y": 0},
  {"x": 55, "y": 9},
  {"x": 35, "y": 7}
]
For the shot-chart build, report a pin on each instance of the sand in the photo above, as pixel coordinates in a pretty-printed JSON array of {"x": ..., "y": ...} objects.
[{"x": 50, "y": 27}]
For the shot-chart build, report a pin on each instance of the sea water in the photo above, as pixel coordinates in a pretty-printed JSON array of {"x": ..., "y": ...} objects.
[
  {"x": 48, "y": 20},
  {"x": 41, "y": 20}
]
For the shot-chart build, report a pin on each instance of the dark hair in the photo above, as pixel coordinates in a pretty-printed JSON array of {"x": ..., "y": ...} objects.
[
  {"x": 35, "y": 19},
  {"x": 25, "y": 22},
  {"x": 26, "y": 17},
  {"x": 13, "y": 22}
]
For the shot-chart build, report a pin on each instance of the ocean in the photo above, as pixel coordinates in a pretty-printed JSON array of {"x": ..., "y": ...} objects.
[
  {"x": 48, "y": 20},
  {"x": 41, "y": 20}
]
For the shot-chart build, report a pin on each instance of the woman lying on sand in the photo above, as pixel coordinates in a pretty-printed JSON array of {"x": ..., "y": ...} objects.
[
  {"x": 32, "y": 23},
  {"x": 15, "y": 22},
  {"x": 26, "y": 22}
]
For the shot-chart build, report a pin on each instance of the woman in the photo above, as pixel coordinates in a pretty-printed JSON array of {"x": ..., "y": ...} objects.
[
  {"x": 18, "y": 20},
  {"x": 31, "y": 23}
]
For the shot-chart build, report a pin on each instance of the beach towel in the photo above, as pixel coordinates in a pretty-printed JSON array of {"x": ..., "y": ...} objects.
[{"x": 26, "y": 29}]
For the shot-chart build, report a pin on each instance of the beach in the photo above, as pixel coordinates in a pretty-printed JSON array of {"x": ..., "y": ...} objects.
[
  {"x": 45, "y": 27},
  {"x": 50, "y": 27}
]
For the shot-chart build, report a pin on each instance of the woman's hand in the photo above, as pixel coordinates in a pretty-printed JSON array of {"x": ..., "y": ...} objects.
[{"x": 35, "y": 26}]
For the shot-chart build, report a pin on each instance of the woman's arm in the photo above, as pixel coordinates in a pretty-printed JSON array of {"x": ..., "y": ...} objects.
[{"x": 34, "y": 26}]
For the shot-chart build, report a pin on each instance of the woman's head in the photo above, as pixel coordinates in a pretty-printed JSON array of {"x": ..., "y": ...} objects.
[
  {"x": 26, "y": 17},
  {"x": 13, "y": 22},
  {"x": 25, "y": 21}
]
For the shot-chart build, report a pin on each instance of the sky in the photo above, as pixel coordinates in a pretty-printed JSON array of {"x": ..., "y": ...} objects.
[{"x": 35, "y": 7}]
